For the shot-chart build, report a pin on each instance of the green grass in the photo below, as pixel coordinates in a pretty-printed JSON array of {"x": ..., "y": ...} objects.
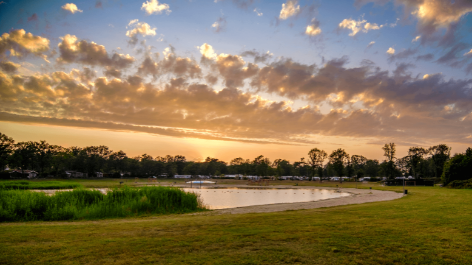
[
  {"x": 429, "y": 226},
  {"x": 38, "y": 185},
  {"x": 19, "y": 205}
]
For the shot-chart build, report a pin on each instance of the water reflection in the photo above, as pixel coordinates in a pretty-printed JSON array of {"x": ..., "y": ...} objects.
[{"x": 231, "y": 198}]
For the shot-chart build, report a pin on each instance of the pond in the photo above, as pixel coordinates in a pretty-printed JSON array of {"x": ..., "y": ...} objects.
[{"x": 236, "y": 197}]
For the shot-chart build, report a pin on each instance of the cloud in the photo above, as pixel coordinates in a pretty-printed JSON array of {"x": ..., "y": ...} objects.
[
  {"x": 71, "y": 50},
  {"x": 112, "y": 72},
  {"x": 71, "y": 7},
  {"x": 370, "y": 44},
  {"x": 366, "y": 101},
  {"x": 358, "y": 26},
  {"x": 404, "y": 54},
  {"x": 258, "y": 57},
  {"x": 219, "y": 25},
  {"x": 454, "y": 56},
  {"x": 416, "y": 39},
  {"x": 289, "y": 9},
  {"x": 20, "y": 43},
  {"x": 432, "y": 17},
  {"x": 313, "y": 29},
  {"x": 468, "y": 53},
  {"x": 207, "y": 51},
  {"x": 425, "y": 57},
  {"x": 259, "y": 14},
  {"x": 153, "y": 7},
  {"x": 142, "y": 28},
  {"x": 9, "y": 67}
]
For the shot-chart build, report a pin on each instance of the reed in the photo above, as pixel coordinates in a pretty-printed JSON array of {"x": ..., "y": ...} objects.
[{"x": 24, "y": 205}]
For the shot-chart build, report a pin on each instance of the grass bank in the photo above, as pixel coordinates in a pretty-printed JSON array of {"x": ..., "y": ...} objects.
[
  {"x": 38, "y": 185},
  {"x": 429, "y": 226},
  {"x": 20, "y": 205}
]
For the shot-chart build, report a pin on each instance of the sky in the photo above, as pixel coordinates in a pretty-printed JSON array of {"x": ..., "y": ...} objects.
[{"x": 238, "y": 78}]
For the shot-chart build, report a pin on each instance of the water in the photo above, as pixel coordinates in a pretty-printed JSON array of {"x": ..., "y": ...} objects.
[{"x": 232, "y": 198}]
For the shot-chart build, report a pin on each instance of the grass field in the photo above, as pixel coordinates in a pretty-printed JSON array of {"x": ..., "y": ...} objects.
[
  {"x": 38, "y": 185},
  {"x": 429, "y": 226}
]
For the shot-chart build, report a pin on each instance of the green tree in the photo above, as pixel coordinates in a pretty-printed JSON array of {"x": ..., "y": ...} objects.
[
  {"x": 417, "y": 155},
  {"x": 372, "y": 168},
  {"x": 6, "y": 149},
  {"x": 440, "y": 155},
  {"x": 316, "y": 157},
  {"x": 339, "y": 159},
  {"x": 358, "y": 164},
  {"x": 24, "y": 155}
]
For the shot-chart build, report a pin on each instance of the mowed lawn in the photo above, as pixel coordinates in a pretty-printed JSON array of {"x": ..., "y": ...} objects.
[{"x": 429, "y": 226}]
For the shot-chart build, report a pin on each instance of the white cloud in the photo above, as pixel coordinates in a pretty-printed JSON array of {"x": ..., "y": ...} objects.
[
  {"x": 391, "y": 51},
  {"x": 468, "y": 53},
  {"x": 289, "y": 9},
  {"x": 257, "y": 12},
  {"x": 71, "y": 8},
  {"x": 312, "y": 30},
  {"x": 131, "y": 22},
  {"x": 142, "y": 28},
  {"x": 358, "y": 26},
  {"x": 207, "y": 51},
  {"x": 370, "y": 44},
  {"x": 372, "y": 26},
  {"x": 416, "y": 39},
  {"x": 153, "y": 6}
]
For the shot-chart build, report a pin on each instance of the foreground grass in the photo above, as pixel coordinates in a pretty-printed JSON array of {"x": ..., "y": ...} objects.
[{"x": 429, "y": 226}]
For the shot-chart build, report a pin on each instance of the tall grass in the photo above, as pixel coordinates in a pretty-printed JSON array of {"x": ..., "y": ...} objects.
[
  {"x": 32, "y": 185},
  {"x": 21, "y": 205}
]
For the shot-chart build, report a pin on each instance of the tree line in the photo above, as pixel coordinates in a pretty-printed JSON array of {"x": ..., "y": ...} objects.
[{"x": 48, "y": 159}]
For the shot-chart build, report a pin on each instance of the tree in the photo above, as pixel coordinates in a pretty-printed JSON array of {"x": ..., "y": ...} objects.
[
  {"x": 117, "y": 161},
  {"x": 372, "y": 168},
  {"x": 262, "y": 166},
  {"x": 6, "y": 149},
  {"x": 316, "y": 157},
  {"x": 389, "y": 153},
  {"x": 440, "y": 154},
  {"x": 339, "y": 158},
  {"x": 358, "y": 164},
  {"x": 416, "y": 155},
  {"x": 24, "y": 155}
]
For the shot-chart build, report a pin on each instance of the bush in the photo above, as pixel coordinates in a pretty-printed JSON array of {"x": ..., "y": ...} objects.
[
  {"x": 18, "y": 205},
  {"x": 458, "y": 168},
  {"x": 460, "y": 184}
]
